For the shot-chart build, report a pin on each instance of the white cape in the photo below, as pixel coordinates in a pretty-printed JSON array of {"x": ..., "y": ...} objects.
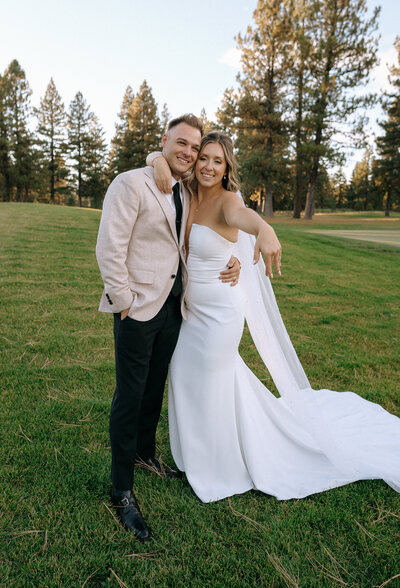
[{"x": 361, "y": 447}]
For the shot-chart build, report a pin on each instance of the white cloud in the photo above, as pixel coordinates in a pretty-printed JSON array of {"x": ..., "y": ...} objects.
[{"x": 231, "y": 57}]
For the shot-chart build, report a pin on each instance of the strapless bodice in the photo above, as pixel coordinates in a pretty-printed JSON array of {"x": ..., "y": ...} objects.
[{"x": 209, "y": 253}]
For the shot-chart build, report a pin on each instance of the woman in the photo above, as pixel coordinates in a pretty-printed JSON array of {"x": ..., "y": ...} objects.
[{"x": 228, "y": 432}]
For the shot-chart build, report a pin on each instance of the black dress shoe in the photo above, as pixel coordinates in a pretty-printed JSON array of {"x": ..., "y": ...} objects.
[
  {"x": 159, "y": 468},
  {"x": 129, "y": 514}
]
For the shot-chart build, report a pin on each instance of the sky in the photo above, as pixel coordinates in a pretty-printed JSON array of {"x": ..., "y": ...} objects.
[{"x": 185, "y": 50}]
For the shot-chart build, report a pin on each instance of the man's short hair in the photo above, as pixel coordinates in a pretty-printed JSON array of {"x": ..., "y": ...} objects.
[{"x": 190, "y": 119}]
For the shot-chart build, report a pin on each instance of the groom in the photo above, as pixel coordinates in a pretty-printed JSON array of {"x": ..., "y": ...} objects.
[{"x": 141, "y": 255}]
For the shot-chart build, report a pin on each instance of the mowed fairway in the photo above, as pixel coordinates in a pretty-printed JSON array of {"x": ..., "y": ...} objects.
[
  {"x": 385, "y": 237},
  {"x": 340, "y": 302}
]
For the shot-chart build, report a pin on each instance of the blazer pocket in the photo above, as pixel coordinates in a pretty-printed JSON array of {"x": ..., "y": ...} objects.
[{"x": 141, "y": 276}]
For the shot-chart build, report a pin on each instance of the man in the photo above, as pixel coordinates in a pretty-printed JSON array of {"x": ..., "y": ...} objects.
[{"x": 141, "y": 255}]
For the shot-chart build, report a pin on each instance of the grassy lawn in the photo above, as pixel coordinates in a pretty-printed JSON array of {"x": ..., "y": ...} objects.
[{"x": 340, "y": 302}]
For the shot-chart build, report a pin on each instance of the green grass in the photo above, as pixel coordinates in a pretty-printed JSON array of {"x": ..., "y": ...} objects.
[{"x": 339, "y": 300}]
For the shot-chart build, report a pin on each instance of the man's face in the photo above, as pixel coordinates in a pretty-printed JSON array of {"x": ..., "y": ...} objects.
[{"x": 181, "y": 146}]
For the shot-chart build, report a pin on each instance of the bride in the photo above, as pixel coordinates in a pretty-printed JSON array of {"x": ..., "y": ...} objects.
[{"x": 228, "y": 432}]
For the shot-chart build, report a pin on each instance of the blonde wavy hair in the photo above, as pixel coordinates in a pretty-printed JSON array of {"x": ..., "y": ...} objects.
[{"x": 230, "y": 180}]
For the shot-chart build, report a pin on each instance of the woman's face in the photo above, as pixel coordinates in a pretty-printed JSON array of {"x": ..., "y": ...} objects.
[{"x": 211, "y": 165}]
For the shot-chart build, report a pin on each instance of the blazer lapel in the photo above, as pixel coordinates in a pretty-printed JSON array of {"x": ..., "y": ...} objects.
[
  {"x": 165, "y": 205},
  {"x": 185, "y": 212}
]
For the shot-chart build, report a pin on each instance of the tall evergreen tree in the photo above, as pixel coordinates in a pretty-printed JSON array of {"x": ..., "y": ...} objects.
[
  {"x": 345, "y": 51},
  {"x": 51, "y": 128},
  {"x": 299, "y": 67},
  {"x": 254, "y": 114},
  {"x": 79, "y": 118},
  {"x": 164, "y": 118},
  {"x": 144, "y": 133},
  {"x": 389, "y": 143},
  {"x": 17, "y": 114},
  {"x": 361, "y": 187},
  {"x": 139, "y": 131},
  {"x": 208, "y": 126},
  {"x": 117, "y": 152},
  {"x": 86, "y": 151},
  {"x": 340, "y": 188},
  {"x": 96, "y": 179},
  {"x": 5, "y": 147},
  {"x": 359, "y": 184},
  {"x": 377, "y": 185}
]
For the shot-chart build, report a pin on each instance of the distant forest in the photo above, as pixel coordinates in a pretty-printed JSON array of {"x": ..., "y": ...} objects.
[{"x": 297, "y": 105}]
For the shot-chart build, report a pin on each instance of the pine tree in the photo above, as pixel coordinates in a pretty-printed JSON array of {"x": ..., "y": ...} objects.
[
  {"x": 96, "y": 179},
  {"x": 299, "y": 67},
  {"x": 325, "y": 190},
  {"x": 139, "y": 131},
  {"x": 340, "y": 188},
  {"x": 254, "y": 114},
  {"x": 165, "y": 117},
  {"x": 144, "y": 133},
  {"x": 208, "y": 126},
  {"x": 344, "y": 52},
  {"x": 52, "y": 120},
  {"x": 361, "y": 182},
  {"x": 86, "y": 151},
  {"x": 5, "y": 147},
  {"x": 377, "y": 191},
  {"x": 17, "y": 114},
  {"x": 228, "y": 114},
  {"x": 389, "y": 144},
  {"x": 79, "y": 117},
  {"x": 117, "y": 152}
]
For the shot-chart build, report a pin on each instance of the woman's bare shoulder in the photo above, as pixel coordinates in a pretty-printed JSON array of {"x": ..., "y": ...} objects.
[{"x": 231, "y": 198}]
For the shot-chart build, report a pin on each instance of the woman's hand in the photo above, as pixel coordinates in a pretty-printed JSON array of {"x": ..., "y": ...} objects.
[
  {"x": 162, "y": 175},
  {"x": 268, "y": 244}
]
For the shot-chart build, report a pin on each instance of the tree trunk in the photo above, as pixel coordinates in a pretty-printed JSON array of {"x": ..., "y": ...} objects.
[
  {"x": 388, "y": 204},
  {"x": 312, "y": 190},
  {"x": 80, "y": 186},
  {"x": 312, "y": 187},
  {"x": 298, "y": 189},
  {"x": 260, "y": 202},
  {"x": 367, "y": 190},
  {"x": 7, "y": 182},
  {"x": 269, "y": 208},
  {"x": 5, "y": 165},
  {"x": 299, "y": 159},
  {"x": 52, "y": 173},
  {"x": 320, "y": 109}
]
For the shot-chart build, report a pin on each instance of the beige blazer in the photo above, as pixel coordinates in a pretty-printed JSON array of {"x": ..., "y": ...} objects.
[{"x": 137, "y": 247}]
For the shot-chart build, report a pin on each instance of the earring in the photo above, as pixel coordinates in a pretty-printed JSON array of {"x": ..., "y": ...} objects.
[{"x": 225, "y": 177}]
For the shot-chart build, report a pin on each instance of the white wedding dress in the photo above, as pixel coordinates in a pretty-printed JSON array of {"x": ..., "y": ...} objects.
[{"x": 228, "y": 432}]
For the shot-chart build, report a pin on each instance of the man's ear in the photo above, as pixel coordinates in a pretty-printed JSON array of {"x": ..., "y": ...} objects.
[{"x": 164, "y": 139}]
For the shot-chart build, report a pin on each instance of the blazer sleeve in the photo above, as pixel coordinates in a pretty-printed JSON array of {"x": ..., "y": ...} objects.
[{"x": 120, "y": 211}]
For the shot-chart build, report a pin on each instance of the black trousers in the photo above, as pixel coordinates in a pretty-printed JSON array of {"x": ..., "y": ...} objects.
[{"x": 142, "y": 354}]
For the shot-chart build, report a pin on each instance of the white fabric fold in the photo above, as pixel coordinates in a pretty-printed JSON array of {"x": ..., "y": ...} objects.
[{"x": 336, "y": 437}]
